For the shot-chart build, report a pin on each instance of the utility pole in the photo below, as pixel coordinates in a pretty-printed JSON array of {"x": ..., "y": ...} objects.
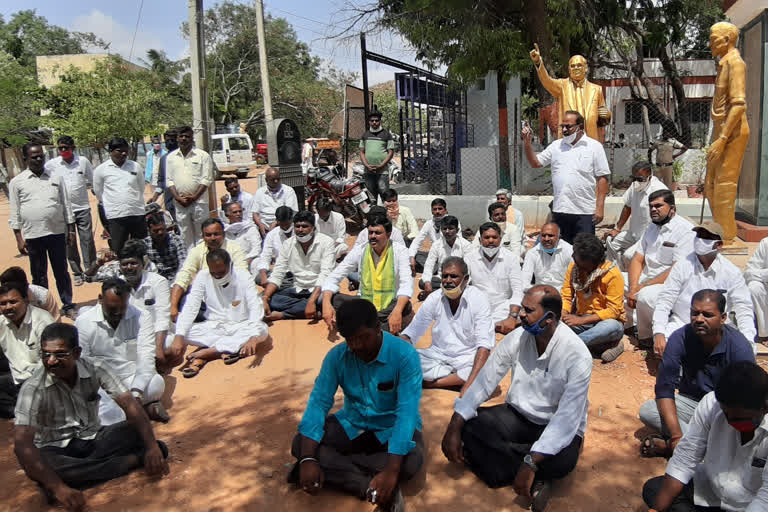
[
  {"x": 200, "y": 121},
  {"x": 364, "y": 58},
  {"x": 265, "y": 90}
]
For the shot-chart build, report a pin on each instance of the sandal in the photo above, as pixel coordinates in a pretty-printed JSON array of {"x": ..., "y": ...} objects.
[
  {"x": 230, "y": 358},
  {"x": 193, "y": 367},
  {"x": 650, "y": 448}
]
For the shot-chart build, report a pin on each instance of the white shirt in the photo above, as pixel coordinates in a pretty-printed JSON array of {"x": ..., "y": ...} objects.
[
  {"x": 153, "y": 295},
  {"x": 637, "y": 200},
  {"x": 550, "y": 389},
  {"x": 77, "y": 176},
  {"x": 120, "y": 189},
  {"x": 187, "y": 173},
  {"x": 455, "y": 335},
  {"x": 575, "y": 170},
  {"x": 247, "y": 235},
  {"x": 265, "y": 202},
  {"x": 273, "y": 241},
  {"x": 427, "y": 230},
  {"x": 22, "y": 346},
  {"x": 237, "y": 302},
  {"x": 441, "y": 250},
  {"x": 547, "y": 269},
  {"x": 335, "y": 227},
  {"x": 757, "y": 266},
  {"x": 353, "y": 262},
  {"x": 688, "y": 276},
  {"x": 396, "y": 237},
  {"x": 310, "y": 269},
  {"x": 499, "y": 279},
  {"x": 721, "y": 467},
  {"x": 156, "y": 156},
  {"x": 663, "y": 246},
  {"x": 512, "y": 236},
  {"x": 39, "y": 206},
  {"x": 129, "y": 350},
  {"x": 244, "y": 199}
]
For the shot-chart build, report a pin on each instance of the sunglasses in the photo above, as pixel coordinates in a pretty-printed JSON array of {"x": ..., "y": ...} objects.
[
  {"x": 640, "y": 179},
  {"x": 567, "y": 126},
  {"x": 57, "y": 355}
]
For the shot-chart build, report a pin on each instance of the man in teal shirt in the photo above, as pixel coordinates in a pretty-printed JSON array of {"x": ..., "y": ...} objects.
[
  {"x": 374, "y": 442},
  {"x": 377, "y": 146}
]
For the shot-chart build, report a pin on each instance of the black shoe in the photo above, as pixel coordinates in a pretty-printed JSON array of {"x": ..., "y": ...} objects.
[
  {"x": 293, "y": 475},
  {"x": 540, "y": 494}
]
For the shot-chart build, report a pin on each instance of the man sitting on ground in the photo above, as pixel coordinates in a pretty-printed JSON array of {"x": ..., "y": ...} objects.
[
  {"x": 385, "y": 279},
  {"x": 333, "y": 225},
  {"x": 535, "y": 437},
  {"x": 514, "y": 216},
  {"x": 695, "y": 357},
  {"x": 22, "y": 325},
  {"x": 704, "y": 268},
  {"x": 244, "y": 233},
  {"x": 122, "y": 337},
  {"x": 431, "y": 230},
  {"x": 756, "y": 275},
  {"x": 374, "y": 442},
  {"x": 236, "y": 195},
  {"x": 496, "y": 272},
  {"x": 150, "y": 294},
  {"x": 401, "y": 216},
  {"x": 37, "y": 295},
  {"x": 462, "y": 334},
  {"x": 622, "y": 245},
  {"x": 450, "y": 245},
  {"x": 268, "y": 199},
  {"x": 378, "y": 211},
  {"x": 308, "y": 256},
  {"x": 593, "y": 298},
  {"x": 512, "y": 233},
  {"x": 164, "y": 248},
  {"x": 213, "y": 238},
  {"x": 548, "y": 261},
  {"x": 273, "y": 242},
  {"x": 719, "y": 463},
  {"x": 64, "y": 448},
  {"x": 233, "y": 328},
  {"x": 666, "y": 240}
]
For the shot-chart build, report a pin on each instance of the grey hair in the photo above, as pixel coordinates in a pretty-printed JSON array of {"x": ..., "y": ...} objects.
[{"x": 504, "y": 191}]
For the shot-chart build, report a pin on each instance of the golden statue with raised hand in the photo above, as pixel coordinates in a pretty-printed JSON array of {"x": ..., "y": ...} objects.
[
  {"x": 575, "y": 93},
  {"x": 731, "y": 131}
]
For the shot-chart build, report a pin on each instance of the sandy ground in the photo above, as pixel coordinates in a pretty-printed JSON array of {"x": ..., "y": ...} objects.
[{"x": 231, "y": 430}]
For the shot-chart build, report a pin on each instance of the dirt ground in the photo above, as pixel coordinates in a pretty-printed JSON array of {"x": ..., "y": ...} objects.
[{"x": 231, "y": 429}]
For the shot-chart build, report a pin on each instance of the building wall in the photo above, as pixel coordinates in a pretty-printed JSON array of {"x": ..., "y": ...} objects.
[{"x": 51, "y": 67}]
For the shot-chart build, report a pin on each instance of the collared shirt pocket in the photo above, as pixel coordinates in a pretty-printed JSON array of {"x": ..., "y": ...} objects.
[
  {"x": 386, "y": 395},
  {"x": 667, "y": 253}
]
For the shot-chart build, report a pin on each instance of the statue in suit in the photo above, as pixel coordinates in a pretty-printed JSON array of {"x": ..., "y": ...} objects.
[{"x": 576, "y": 93}]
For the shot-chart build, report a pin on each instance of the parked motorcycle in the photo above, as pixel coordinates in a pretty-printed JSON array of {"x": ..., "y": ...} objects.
[{"x": 350, "y": 197}]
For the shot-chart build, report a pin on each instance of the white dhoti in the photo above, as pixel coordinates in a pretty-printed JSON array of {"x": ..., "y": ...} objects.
[
  {"x": 436, "y": 365},
  {"x": 621, "y": 249},
  {"x": 190, "y": 220},
  {"x": 646, "y": 303},
  {"x": 759, "y": 293},
  {"x": 224, "y": 337},
  {"x": 111, "y": 413}
]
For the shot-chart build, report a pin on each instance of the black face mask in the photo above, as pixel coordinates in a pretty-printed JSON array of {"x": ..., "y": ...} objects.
[
  {"x": 171, "y": 145},
  {"x": 663, "y": 221}
]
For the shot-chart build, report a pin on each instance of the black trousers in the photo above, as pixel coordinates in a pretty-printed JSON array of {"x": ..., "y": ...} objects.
[
  {"x": 572, "y": 224},
  {"x": 340, "y": 298},
  {"x": 437, "y": 282},
  {"x": 122, "y": 228},
  {"x": 349, "y": 464},
  {"x": 376, "y": 183},
  {"x": 683, "y": 502},
  {"x": 9, "y": 391},
  {"x": 53, "y": 248},
  {"x": 116, "y": 450},
  {"x": 497, "y": 440}
]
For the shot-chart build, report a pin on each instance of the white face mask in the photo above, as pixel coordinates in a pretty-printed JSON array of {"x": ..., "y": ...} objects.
[
  {"x": 287, "y": 231},
  {"x": 704, "y": 247},
  {"x": 222, "y": 282},
  {"x": 306, "y": 238},
  {"x": 570, "y": 138},
  {"x": 490, "y": 251},
  {"x": 640, "y": 186}
]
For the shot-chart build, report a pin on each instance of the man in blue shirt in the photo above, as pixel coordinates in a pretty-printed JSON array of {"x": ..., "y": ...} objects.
[
  {"x": 374, "y": 442},
  {"x": 695, "y": 357}
]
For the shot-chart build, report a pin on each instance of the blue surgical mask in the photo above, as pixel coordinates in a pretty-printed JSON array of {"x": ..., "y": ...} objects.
[
  {"x": 537, "y": 328},
  {"x": 548, "y": 251}
]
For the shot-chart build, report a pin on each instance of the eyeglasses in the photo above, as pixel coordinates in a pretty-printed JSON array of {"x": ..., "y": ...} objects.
[
  {"x": 57, "y": 355},
  {"x": 640, "y": 179},
  {"x": 64, "y": 148},
  {"x": 567, "y": 126}
]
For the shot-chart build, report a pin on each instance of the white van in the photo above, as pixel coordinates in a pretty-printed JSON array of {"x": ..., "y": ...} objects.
[{"x": 233, "y": 153}]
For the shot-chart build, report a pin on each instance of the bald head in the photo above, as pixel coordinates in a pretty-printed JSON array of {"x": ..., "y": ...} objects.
[
  {"x": 577, "y": 68},
  {"x": 547, "y": 298},
  {"x": 549, "y": 236},
  {"x": 272, "y": 177}
]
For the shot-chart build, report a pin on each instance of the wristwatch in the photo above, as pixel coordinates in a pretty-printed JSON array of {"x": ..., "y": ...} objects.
[
  {"x": 137, "y": 394},
  {"x": 528, "y": 460}
]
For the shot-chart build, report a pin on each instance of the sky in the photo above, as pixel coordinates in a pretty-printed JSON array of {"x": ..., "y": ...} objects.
[{"x": 160, "y": 22}]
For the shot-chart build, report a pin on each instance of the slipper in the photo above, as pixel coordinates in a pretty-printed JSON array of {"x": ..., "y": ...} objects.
[
  {"x": 229, "y": 358},
  {"x": 649, "y": 448},
  {"x": 193, "y": 368}
]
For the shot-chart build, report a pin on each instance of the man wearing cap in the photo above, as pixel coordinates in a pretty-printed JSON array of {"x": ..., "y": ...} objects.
[
  {"x": 377, "y": 146},
  {"x": 703, "y": 268}
]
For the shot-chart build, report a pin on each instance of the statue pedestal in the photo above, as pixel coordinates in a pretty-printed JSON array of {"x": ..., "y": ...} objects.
[{"x": 735, "y": 248}]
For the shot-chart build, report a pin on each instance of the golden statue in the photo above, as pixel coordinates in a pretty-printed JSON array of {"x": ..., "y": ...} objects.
[
  {"x": 731, "y": 131},
  {"x": 576, "y": 93}
]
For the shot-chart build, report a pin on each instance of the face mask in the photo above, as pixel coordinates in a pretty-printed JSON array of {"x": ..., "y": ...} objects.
[
  {"x": 454, "y": 293},
  {"x": 661, "y": 222},
  {"x": 640, "y": 186},
  {"x": 437, "y": 221},
  {"x": 66, "y": 155},
  {"x": 744, "y": 426},
  {"x": 222, "y": 282},
  {"x": 377, "y": 130},
  {"x": 537, "y": 328},
  {"x": 548, "y": 251},
  {"x": 570, "y": 138},
  {"x": 304, "y": 239},
  {"x": 490, "y": 251},
  {"x": 287, "y": 231},
  {"x": 171, "y": 145},
  {"x": 704, "y": 247}
]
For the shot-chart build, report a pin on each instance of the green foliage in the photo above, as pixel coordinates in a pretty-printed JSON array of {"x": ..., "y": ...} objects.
[
  {"x": 19, "y": 104},
  {"x": 384, "y": 98},
  {"x": 114, "y": 100}
]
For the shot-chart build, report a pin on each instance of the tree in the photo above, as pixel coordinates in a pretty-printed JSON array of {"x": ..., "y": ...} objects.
[{"x": 19, "y": 103}]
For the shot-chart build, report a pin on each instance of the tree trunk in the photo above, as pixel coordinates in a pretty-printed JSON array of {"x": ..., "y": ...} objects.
[
  {"x": 683, "y": 119},
  {"x": 535, "y": 17},
  {"x": 501, "y": 88}
]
